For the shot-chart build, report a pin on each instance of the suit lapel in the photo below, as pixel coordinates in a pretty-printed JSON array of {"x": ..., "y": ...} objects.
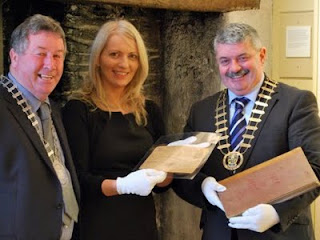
[{"x": 26, "y": 126}]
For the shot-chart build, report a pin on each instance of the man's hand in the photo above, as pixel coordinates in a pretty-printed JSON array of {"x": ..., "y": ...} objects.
[
  {"x": 259, "y": 218},
  {"x": 140, "y": 182},
  {"x": 210, "y": 187}
]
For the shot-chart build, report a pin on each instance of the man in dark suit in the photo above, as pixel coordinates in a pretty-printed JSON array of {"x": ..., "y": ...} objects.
[
  {"x": 38, "y": 184},
  {"x": 258, "y": 119}
]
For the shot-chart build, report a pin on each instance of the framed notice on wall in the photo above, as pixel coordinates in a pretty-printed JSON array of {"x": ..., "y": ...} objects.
[{"x": 298, "y": 41}]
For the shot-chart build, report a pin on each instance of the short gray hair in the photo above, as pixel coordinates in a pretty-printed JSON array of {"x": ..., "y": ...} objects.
[
  {"x": 237, "y": 33},
  {"x": 33, "y": 25}
]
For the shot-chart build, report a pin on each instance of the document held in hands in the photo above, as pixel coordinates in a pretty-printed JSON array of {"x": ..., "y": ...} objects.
[
  {"x": 279, "y": 179},
  {"x": 181, "y": 154}
]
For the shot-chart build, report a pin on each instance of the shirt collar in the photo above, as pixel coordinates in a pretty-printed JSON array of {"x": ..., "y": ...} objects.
[
  {"x": 31, "y": 99},
  {"x": 251, "y": 95}
]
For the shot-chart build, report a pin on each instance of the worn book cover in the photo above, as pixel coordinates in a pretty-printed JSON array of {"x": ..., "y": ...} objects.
[
  {"x": 176, "y": 159},
  {"x": 183, "y": 155},
  {"x": 276, "y": 180}
]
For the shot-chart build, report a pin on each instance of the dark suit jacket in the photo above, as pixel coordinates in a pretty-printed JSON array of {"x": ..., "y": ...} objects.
[
  {"x": 31, "y": 199},
  {"x": 291, "y": 120}
]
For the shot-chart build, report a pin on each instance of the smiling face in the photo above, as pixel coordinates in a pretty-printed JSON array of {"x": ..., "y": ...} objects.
[
  {"x": 119, "y": 62},
  {"x": 240, "y": 66},
  {"x": 40, "y": 67}
]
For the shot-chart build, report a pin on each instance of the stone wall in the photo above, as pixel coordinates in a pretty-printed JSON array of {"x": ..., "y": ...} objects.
[
  {"x": 190, "y": 74},
  {"x": 81, "y": 24},
  {"x": 182, "y": 71}
]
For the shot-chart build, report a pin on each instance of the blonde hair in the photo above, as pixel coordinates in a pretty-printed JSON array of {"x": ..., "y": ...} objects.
[{"x": 92, "y": 90}]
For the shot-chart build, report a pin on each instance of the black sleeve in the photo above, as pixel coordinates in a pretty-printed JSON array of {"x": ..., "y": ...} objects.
[
  {"x": 78, "y": 125},
  {"x": 155, "y": 123}
]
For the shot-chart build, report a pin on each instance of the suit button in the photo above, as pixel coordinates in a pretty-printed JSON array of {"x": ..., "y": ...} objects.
[{"x": 59, "y": 206}]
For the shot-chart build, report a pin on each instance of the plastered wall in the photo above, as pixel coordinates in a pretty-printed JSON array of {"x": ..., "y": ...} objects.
[{"x": 296, "y": 71}]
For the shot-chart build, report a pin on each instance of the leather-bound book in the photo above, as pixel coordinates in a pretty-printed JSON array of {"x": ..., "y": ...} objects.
[{"x": 278, "y": 179}]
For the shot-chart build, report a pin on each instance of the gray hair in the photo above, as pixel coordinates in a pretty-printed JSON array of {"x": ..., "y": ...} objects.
[
  {"x": 237, "y": 33},
  {"x": 33, "y": 25}
]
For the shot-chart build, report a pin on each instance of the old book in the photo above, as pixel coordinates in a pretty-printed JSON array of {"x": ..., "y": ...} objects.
[
  {"x": 176, "y": 159},
  {"x": 183, "y": 155},
  {"x": 279, "y": 179}
]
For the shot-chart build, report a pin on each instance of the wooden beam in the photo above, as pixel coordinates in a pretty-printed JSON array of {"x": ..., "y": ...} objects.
[{"x": 183, "y": 5}]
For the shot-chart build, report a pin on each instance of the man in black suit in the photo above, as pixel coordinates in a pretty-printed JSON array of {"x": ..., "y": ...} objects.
[
  {"x": 258, "y": 119},
  {"x": 38, "y": 184}
]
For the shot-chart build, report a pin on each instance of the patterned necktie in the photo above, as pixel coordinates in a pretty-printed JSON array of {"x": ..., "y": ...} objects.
[
  {"x": 46, "y": 121},
  {"x": 71, "y": 206},
  {"x": 238, "y": 123}
]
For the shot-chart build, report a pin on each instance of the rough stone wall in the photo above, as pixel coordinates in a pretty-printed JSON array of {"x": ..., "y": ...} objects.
[
  {"x": 82, "y": 22},
  {"x": 190, "y": 74},
  {"x": 190, "y": 69}
]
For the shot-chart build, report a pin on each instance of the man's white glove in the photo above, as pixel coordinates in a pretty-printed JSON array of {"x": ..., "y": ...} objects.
[
  {"x": 259, "y": 218},
  {"x": 210, "y": 187},
  {"x": 140, "y": 182},
  {"x": 188, "y": 142}
]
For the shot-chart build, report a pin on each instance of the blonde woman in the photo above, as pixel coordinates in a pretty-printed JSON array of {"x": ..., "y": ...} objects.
[{"x": 110, "y": 126}]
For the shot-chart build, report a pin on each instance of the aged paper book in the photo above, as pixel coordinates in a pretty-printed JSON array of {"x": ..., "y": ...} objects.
[
  {"x": 276, "y": 180},
  {"x": 182, "y": 154},
  {"x": 176, "y": 159}
]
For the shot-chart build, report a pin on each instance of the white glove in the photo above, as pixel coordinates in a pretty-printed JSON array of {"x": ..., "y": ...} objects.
[
  {"x": 140, "y": 182},
  {"x": 188, "y": 142},
  {"x": 210, "y": 187},
  {"x": 259, "y": 218}
]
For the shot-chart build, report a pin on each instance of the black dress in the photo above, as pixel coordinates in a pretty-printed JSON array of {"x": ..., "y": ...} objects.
[{"x": 107, "y": 146}]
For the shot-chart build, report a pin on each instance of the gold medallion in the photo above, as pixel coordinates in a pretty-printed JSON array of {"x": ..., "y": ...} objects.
[{"x": 232, "y": 160}]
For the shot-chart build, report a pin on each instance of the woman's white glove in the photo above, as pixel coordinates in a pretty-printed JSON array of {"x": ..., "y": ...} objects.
[
  {"x": 140, "y": 182},
  {"x": 188, "y": 142},
  {"x": 259, "y": 218},
  {"x": 210, "y": 187}
]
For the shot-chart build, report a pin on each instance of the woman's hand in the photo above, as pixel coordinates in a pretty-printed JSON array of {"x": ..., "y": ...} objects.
[{"x": 140, "y": 182}]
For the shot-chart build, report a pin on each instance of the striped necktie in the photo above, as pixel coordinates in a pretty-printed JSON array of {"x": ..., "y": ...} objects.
[{"x": 238, "y": 123}]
